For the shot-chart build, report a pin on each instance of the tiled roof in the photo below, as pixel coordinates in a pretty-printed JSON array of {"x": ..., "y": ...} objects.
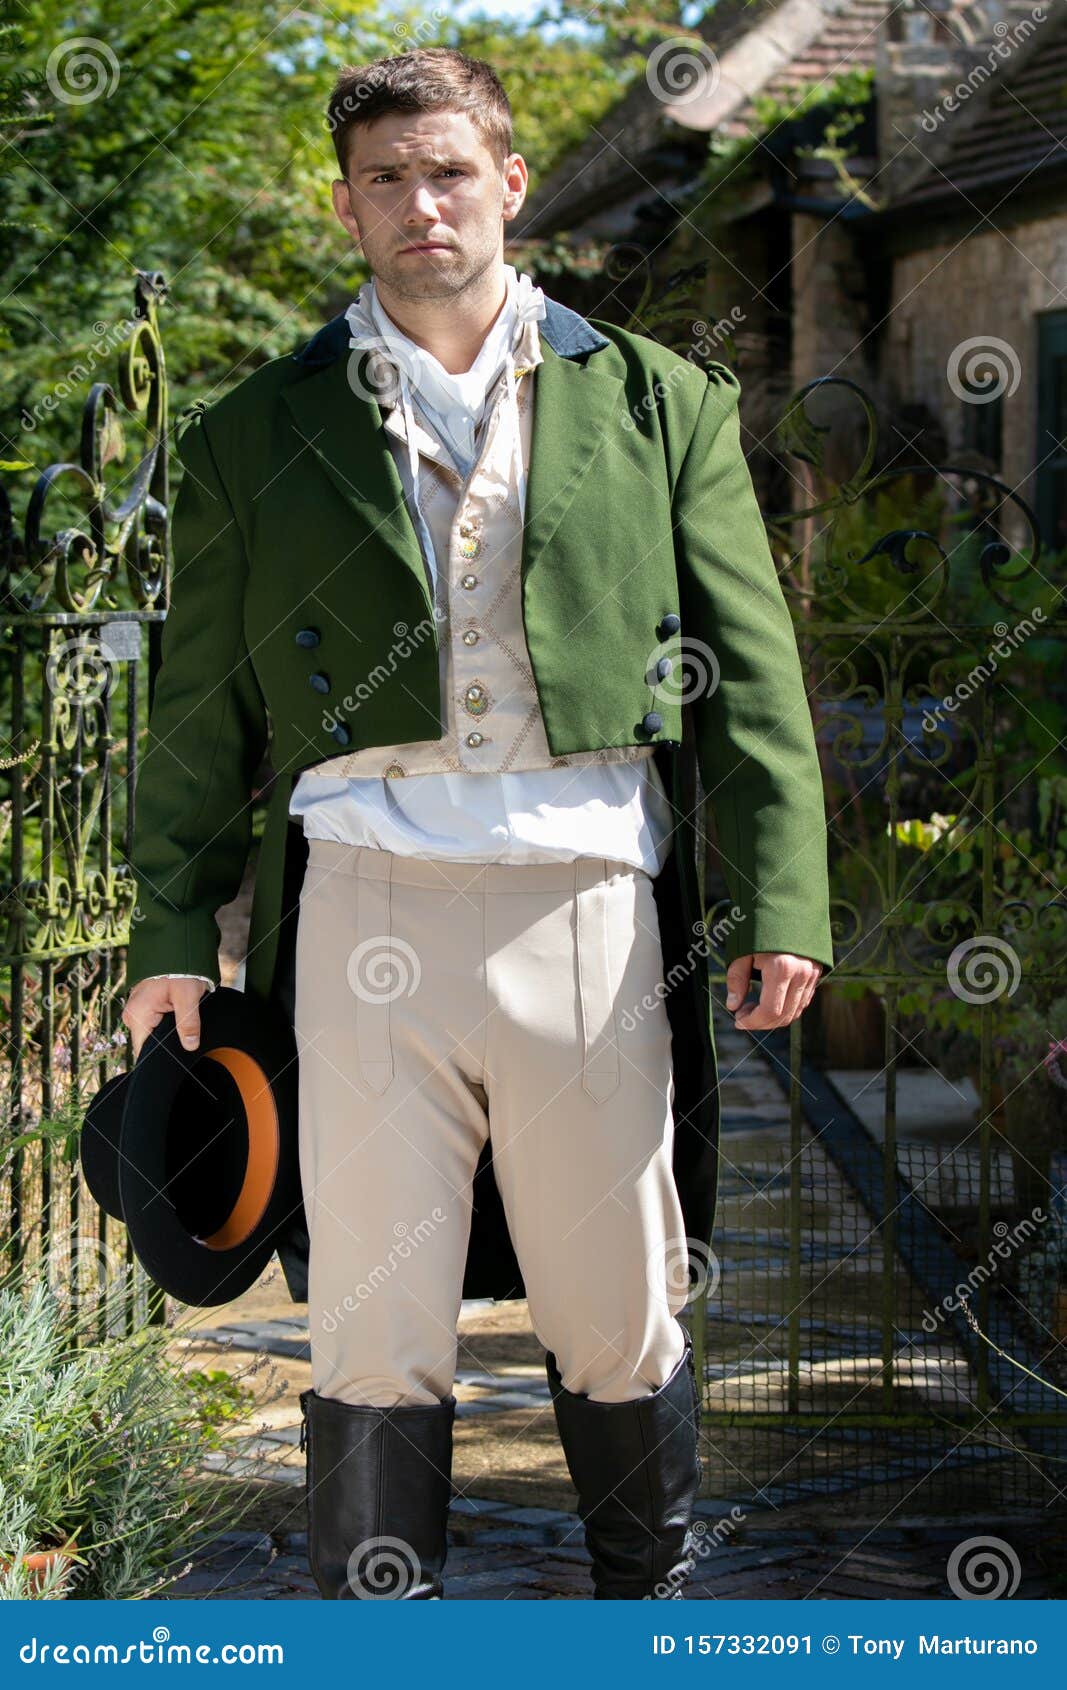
[
  {"x": 1013, "y": 130},
  {"x": 639, "y": 142}
]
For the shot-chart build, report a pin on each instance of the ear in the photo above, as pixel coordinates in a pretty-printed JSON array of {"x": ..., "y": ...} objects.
[{"x": 342, "y": 205}]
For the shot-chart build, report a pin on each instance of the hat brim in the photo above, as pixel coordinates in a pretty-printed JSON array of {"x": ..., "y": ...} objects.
[
  {"x": 255, "y": 1053},
  {"x": 98, "y": 1144}
]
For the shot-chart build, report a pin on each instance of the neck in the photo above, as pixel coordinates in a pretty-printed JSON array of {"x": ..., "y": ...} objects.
[{"x": 452, "y": 329}]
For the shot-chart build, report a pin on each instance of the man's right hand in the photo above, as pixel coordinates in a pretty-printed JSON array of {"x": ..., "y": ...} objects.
[{"x": 150, "y": 1000}]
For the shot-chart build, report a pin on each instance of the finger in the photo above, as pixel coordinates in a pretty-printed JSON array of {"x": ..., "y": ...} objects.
[
  {"x": 140, "y": 1019},
  {"x": 738, "y": 976},
  {"x": 187, "y": 1017},
  {"x": 767, "y": 1011},
  {"x": 794, "y": 999}
]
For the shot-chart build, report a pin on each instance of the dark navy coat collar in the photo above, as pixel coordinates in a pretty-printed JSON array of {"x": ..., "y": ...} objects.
[{"x": 567, "y": 332}]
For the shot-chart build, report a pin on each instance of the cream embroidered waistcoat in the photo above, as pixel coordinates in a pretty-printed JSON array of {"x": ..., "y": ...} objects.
[{"x": 491, "y": 713}]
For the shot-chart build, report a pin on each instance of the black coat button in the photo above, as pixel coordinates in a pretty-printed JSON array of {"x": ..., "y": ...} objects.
[
  {"x": 321, "y": 683},
  {"x": 652, "y": 722},
  {"x": 663, "y": 668},
  {"x": 308, "y": 637},
  {"x": 670, "y": 624},
  {"x": 340, "y": 733}
]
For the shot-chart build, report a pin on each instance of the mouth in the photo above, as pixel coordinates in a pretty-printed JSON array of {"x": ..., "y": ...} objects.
[{"x": 427, "y": 246}]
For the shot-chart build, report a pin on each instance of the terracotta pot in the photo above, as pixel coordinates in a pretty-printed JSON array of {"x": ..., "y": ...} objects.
[{"x": 38, "y": 1561}]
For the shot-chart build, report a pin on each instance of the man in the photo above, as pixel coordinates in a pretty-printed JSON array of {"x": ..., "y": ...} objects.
[{"x": 449, "y": 560}]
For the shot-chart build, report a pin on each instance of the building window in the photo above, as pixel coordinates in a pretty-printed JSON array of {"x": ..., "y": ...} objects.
[{"x": 1051, "y": 497}]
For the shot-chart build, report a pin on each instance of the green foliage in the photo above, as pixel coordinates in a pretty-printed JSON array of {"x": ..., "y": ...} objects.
[
  {"x": 103, "y": 1443},
  {"x": 206, "y": 156}
]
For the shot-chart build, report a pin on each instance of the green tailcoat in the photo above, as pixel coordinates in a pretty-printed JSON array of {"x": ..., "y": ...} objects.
[{"x": 291, "y": 517}]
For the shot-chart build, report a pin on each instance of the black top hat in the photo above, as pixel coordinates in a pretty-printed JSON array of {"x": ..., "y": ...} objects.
[{"x": 197, "y": 1151}]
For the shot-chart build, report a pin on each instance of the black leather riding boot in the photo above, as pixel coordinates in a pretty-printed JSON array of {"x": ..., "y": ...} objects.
[
  {"x": 636, "y": 1469},
  {"x": 379, "y": 1482}
]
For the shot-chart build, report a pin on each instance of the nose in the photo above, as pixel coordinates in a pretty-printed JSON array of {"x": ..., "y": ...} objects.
[{"x": 422, "y": 207}]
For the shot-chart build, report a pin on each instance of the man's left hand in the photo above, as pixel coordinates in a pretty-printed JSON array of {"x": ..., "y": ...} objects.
[{"x": 787, "y": 987}]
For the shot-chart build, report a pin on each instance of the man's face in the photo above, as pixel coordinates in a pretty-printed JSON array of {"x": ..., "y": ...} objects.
[{"x": 426, "y": 202}]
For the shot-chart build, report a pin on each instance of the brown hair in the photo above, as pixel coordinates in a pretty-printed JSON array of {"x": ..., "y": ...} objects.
[{"x": 426, "y": 79}]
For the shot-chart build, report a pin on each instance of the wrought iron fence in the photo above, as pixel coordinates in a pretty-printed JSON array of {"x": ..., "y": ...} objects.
[
  {"x": 887, "y": 1303},
  {"x": 84, "y": 586}
]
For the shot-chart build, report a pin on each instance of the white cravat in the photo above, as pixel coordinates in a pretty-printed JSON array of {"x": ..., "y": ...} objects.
[{"x": 453, "y": 402}]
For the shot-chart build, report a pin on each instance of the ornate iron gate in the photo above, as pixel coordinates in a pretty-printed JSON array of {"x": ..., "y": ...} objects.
[
  {"x": 83, "y": 584},
  {"x": 887, "y": 1301}
]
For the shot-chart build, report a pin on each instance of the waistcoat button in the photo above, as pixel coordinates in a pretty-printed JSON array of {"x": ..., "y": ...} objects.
[
  {"x": 670, "y": 624},
  {"x": 664, "y": 667},
  {"x": 308, "y": 637},
  {"x": 652, "y": 722},
  {"x": 340, "y": 733},
  {"x": 321, "y": 683}
]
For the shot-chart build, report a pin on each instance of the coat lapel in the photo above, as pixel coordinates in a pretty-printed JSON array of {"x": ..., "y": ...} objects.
[{"x": 576, "y": 406}]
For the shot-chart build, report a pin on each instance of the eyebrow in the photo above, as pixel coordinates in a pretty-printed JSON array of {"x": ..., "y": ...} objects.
[{"x": 392, "y": 164}]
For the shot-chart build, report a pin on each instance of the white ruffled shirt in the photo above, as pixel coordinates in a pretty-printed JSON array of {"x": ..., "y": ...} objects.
[{"x": 616, "y": 810}]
